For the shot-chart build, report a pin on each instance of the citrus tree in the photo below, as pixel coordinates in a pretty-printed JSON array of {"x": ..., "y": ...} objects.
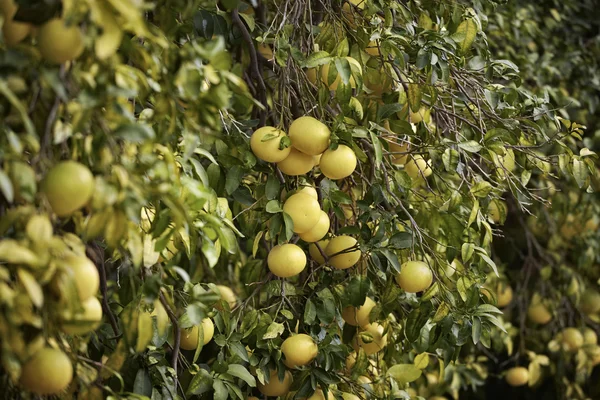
[{"x": 309, "y": 199}]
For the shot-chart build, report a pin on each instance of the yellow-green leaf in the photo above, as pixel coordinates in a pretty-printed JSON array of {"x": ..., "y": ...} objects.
[
  {"x": 414, "y": 96},
  {"x": 465, "y": 34},
  {"x": 34, "y": 290},
  {"x": 404, "y": 373},
  {"x": 421, "y": 361},
  {"x": 145, "y": 331},
  {"x": 108, "y": 43}
]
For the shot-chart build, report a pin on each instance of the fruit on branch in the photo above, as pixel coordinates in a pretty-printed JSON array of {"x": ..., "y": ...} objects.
[
  {"x": 359, "y": 316},
  {"x": 266, "y": 144},
  {"x": 286, "y": 260},
  {"x": 339, "y": 253},
  {"x": 276, "y": 387},
  {"x": 59, "y": 43},
  {"x": 414, "y": 276},
  {"x": 318, "y": 231},
  {"x": 68, "y": 186},
  {"x": 296, "y": 163},
  {"x": 299, "y": 350},
  {"x": 189, "y": 337},
  {"x": 304, "y": 210},
  {"x": 339, "y": 163},
  {"x": 309, "y": 135},
  {"x": 48, "y": 372},
  {"x": 517, "y": 376}
]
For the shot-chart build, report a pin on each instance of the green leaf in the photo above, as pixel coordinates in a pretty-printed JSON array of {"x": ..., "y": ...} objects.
[
  {"x": 317, "y": 59},
  {"x": 234, "y": 178},
  {"x": 274, "y": 330},
  {"x": 471, "y": 146},
  {"x": 6, "y": 187},
  {"x": 377, "y": 148},
  {"x": 239, "y": 371},
  {"x": 343, "y": 68},
  {"x": 414, "y": 96},
  {"x": 404, "y": 373},
  {"x": 202, "y": 382},
  {"x": 221, "y": 392},
  {"x": 310, "y": 312},
  {"x": 136, "y": 133},
  {"x": 476, "y": 330},
  {"x": 467, "y": 251},
  {"x": 273, "y": 207},
  {"x": 465, "y": 34},
  {"x": 450, "y": 159},
  {"x": 416, "y": 320},
  {"x": 481, "y": 189},
  {"x": 580, "y": 171},
  {"x": 421, "y": 361},
  {"x": 142, "y": 384},
  {"x": 357, "y": 290},
  {"x": 441, "y": 312}
]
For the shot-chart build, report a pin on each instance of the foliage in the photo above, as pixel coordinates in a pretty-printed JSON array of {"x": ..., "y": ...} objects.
[{"x": 464, "y": 162}]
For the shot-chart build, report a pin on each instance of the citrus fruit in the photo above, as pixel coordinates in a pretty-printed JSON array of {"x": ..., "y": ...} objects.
[
  {"x": 309, "y": 135},
  {"x": 189, "y": 337},
  {"x": 48, "y": 372},
  {"x": 276, "y": 387},
  {"x": 85, "y": 275},
  {"x": 378, "y": 80},
  {"x": 299, "y": 350},
  {"x": 538, "y": 312},
  {"x": 59, "y": 43},
  {"x": 572, "y": 339},
  {"x": 338, "y": 163},
  {"x": 68, "y": 186},
  {"x": 504, "y": 163},
  {"x": 86, "y": 321},
  {"x": 296, "y": 163},
  {"x": 358, "y": 316},
  {"x": 504, "y": 294},
  {"x": 318, "y": 231},
  {"x": 399, "y": 152},
  {"x": 309, "y": 190},
  {"x": 319, "y": 395},
  {"x": 589, "y": 336},
  {"x": 590, "y": 302},
  {"x": 414, "y": 276},
  {"x": 378, "y": 342},
  {"x": 265, "y": 50},
  {"x": 304, "y": 210},
  {"x": 311, "y": 75},
  {"x": 227, "y": 295},
  {"x": 338, "y": 252},
  {"x": 373, "y": 48},
  {"x": 336, "y": 81},
  {"x": 417, "y": 167},
  {"x": 346, "y": 395},
  {"x": 517, "y": 376},
  {"x": 497, "y": 211},
  {"x": 265, "y": 143},
  {"x": 13, "y": 31},
  {"x": 423, "y": 114},
  {"x": 286, "y": 260},
  {"x": 314, "y": 251},
  {"x": 350, "y": 12}
]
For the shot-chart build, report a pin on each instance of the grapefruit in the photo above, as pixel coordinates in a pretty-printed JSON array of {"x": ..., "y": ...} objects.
[
  {"x": 418, "y": 167},
  {"x": 85, "y": 321},
  {"x": 59, "y": 43},
  {"x": 85, "y": 275},
  {"x": 338, "y": 163},
  {"x": 414, "y": 276},
  {"x": 517, "y": 376},
  {"x": 379, "y": 341},
  {"x": 337, "y": 251},
  {"x": 296, "y": 163},
  {"x": 189, "y": 337},
  {"x": 315, "y": 253},
  {"x": 304, "y": 210},
  {"x": 318, "y": 231},
  {"x": 276, "y": 387},
  {"x": 286, "y": 260},
  {"x": 48, "y": 372},
  {"x": 299, "y": 350},
  {"x": 265, "y": 143},
  {"x": 309, "y": 135},
  {"x": 68, "y": 186},
  {"x": 359, "y": 316}
]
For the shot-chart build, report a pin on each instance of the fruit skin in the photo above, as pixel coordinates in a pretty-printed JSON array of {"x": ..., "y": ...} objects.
[
  {"x": 538, "y": 312},
  {"x": 86, "y": 321},
  {"x": 59, "y": 43},
  {"x": 350, "y": 396},
  {"x": 85, "y": 275},
  {"x": 589, "y": 336},
  {"x": 504, "y": 294},
  {"x": 68, "y": 186},
  {"x": 299, "y": 350},
  {"x": 359, "y": 316},
  {"x": 189, "y": 337},
  {"x": 319, "y": 395},
  {"x": 417, "y": 167},
  {"x": 414, "y": 276},
  {"x": 309, "y": 135},
  {"x": 315, "y": 253},
  {"x": 496, "y": 209},
  {"x": 309, "y": 190},
  {"x": 590, "y": 302},
  {"x": 275, "y": 387},
  {"x": 506, "y": 163},
  {"x": 339, "y": 163},
  {"x": 379, "y": 339},
  {"x": 401, "y": 150},
  {"x": 304, "y": 210},
  {"x": 349, "y": 12},
  {"x": 286, "y": 260},
  {"x": 572, "y": 339},
  {"x": 296, "y": 163},
  {"x": 227, "y": 295},
  {"x": 373, "y": 49},
  {"x": 48, "y": 372},
  {"x": 346, "y": 259},
  {"x": 13, "y": 31},
  {"x": 517, "y": 376},
  {"x": 318, "y": 231},
  {"x": 269, "y": 150},
  {"x": 338, "y": 78}
]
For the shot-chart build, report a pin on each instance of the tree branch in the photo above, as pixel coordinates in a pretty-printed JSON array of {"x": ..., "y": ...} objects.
[{"x": 177, "y": 339}]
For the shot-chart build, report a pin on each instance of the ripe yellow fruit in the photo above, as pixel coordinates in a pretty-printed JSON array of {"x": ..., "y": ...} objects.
[
  {"x": 13, "y": 31},
  {"x": 319, "y": 395},
  {"x": 84, "y": 274},
  {"x": 318, "y": 231},
  {"x": 314, "y": 251},
  {"x": 373, "y": 48},
  {"x": 354, "y": 64},
  {"x": 276, "y": 387},
  {"x": 505, "y": 163},
  {"x": 589, "y": 336},
  {"x": 296, "y": 163},
  {"x": 189, "y": 337},
  {"x": 572, "y": 339},
  {"x": 265, "y": 143},
  {"x": 504, "y": 294},
  {"x": 417, "y": 167},
  {"x": 309, "y": 135},
  {"x": 286, "y": 260},
  {"x": 517, "y": 376},
  {"x": 299, "y": 350},
  {"x": 538, "y": 312},
  {"x": 85, "y": 321},
  {"x": 68, "y": 186},
  {"x": 338, "y": 163},
  {"x": 309, "y": 190},
  {"x": 337, "y": 251},
  {"x": 424, "y": 114},
  {"x": 590, "y": 302},
  {"x": 350, "y": 12},
  {"x": 377, "y": 344},
  {"x": 496, "y": 210},
  {"x": 399, "y": 152},
  {"x": 311, "y": 75},
  {"x": 379, "y": 80},
  {"x": 265, "y": 50},
  {"x": 252, "y": 398},
  {"x": 59, "y": 43},
  {"x": 48, "y": 372},
  {"x": 359, "y": 316},
  {"x": 346, "y": 395},
  {"x": 414, "y": 276},
  {"x": 227, "y": 295},
  {"x": 304, "y": 210}
]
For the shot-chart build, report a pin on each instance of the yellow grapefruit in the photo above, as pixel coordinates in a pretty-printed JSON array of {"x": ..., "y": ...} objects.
[
  {"x": 68, "y": 186},
  {"x": 309, "y": 135},
  {"x": 84, "y": 274},
  {"x": 286, "y": 260},
  {"x": 318, "y": 231},
  {"x": 338, "y": 163},
  {"x": 48, "y": 372},
  {"x": 314, "y": 251},
  {"x": 414, "y": 276},
  {"x": 338, "y": 252},
  {"x": 304, "y": 210},
  {"x": 58, "y": 42},
  {"x": 359, "y": 316},
  {"x": 85, "y": 321},
  {"x": 517, "y": 376},
  {"x": 276, "y": 387},
  {"x": 296, "y": 163},
  {"x": 265, "y": 143},
  {"x": 299, "y": 350},
  {"x": 189, "y": 337},
  {"x": 379, "y": 341}
]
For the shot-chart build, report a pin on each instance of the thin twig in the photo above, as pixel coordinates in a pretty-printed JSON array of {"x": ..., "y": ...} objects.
[{"x": 177, "y": 338}]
